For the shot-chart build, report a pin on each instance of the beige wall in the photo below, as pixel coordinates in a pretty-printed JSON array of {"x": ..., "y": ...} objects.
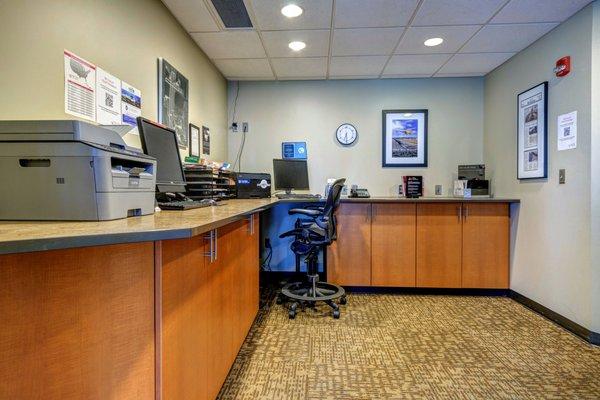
[
  {"x": 551, "y": 253},
  {"x": 123, "y": 37},
  {"x": 595, "y": 168},
  {"x": 312, "y": 110}
]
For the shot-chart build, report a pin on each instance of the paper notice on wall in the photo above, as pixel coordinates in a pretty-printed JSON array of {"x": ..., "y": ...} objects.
[
  {"x": 108, "y": 98},
  {"x": 567, "y": 131},
  {"x": 131, "y": 106},
  {"x": 80, "y": 87}
]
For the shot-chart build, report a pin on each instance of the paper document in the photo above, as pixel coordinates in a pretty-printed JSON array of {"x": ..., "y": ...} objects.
[
  {"x": 108, "y": 98},
  {"x": 80, "y": 86},
  {"x": 567, "y": 131},
  {"x": 131, "y": 103}
]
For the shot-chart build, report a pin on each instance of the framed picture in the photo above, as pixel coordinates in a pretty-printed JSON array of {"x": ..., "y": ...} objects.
[
  {"x": 205, "y": 140},
  {"x": 404, "y": 138},
  {"x": 173, "y": 99},
  {"x": 194, "y": 146},
  {"x": 532, "y": 133}
]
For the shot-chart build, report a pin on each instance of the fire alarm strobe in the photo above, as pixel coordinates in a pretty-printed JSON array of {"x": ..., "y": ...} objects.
[{"x": 563, "y": 66}]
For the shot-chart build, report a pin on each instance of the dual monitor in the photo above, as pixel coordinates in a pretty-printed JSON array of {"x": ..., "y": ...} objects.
[{"x": 160, "y": 142}]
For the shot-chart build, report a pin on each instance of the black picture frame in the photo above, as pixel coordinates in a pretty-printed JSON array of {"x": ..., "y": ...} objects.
[
  {"x": 384, "y": 162},
  {"x": 191, "y": 146},
  {"x": 543, "y": 132}
]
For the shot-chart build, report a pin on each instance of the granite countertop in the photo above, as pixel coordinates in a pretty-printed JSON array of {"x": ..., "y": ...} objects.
[{"x": 27, "y": 236}]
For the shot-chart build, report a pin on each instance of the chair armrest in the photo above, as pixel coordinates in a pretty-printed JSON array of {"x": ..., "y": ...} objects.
[{"x": 304, "y": 211}]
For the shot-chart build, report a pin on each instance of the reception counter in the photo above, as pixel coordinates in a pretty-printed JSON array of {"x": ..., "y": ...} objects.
[{"x": 158, "y": 306}]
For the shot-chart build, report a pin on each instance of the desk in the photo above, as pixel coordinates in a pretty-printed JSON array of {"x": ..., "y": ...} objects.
[{"x": 139, "y": 309}]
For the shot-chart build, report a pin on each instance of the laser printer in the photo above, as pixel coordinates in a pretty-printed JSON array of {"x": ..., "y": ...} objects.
[{"x": 71, "y": 171}]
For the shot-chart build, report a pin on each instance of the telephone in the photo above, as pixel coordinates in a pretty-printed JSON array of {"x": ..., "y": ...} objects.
[{"x": 359, "y": 193}]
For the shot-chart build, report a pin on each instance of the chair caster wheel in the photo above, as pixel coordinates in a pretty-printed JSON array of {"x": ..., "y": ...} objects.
[
  {"x": 292, "y": 314},
  {"x": 336, "y": 314},
  {"x": 279, "y": 300},
  {"x": 343, "y": 300}
]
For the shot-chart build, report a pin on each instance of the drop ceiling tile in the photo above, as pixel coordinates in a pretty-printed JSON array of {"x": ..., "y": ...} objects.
[
  {"x": 377, "y": 14},
  {"x": 456, "y": 12},
  {"x": 317, "y": 43},
  {"x": 420, "y": 64},
  {"x": 249, "y": 68},
  {"x": 474, "y": 64},
  {"x": 365, "y": 41},
  {"x": 299, "y": 68},
  {"x": 467, "y": 75},
  {"x": 230, "y": 44},
  {"x": 538, "y": 11},
  {"x": 353, "y": 77},
  {"x": 454, "y": 37},
  {"x": 407, "y": 76},
  {"x": 193, "y": 15},
  {"x": 357, "y": 66},
  {"x": 267, "y": 13},
  {"x": 506, "y": 38}
]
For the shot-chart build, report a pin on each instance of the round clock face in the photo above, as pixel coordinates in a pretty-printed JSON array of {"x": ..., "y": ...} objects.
[{"x": 346, "y": 134}]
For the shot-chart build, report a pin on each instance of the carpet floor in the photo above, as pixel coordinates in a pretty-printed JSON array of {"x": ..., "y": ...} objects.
[{"x": 413, "y": 347}]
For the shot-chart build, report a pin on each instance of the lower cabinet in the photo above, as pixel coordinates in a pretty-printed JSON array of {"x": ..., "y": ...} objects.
[
  {"x": 208, "y": 306},
  {"x": 430, "y": 245}
]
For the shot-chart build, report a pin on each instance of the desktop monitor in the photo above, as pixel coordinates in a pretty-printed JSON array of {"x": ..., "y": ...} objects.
[
  {"x": 160, "y": 142},
  {"x": 290, "y": 174}
]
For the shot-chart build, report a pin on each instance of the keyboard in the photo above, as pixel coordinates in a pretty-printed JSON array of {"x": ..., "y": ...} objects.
[
  {"x": 182, "y": 205},
  {"x": 308, "y": 196}
]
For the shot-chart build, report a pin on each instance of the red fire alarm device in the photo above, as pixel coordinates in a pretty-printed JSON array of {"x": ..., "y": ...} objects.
[{"x": 563, "y": 66}]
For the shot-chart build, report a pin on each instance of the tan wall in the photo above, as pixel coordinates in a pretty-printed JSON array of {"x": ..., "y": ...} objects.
[
  {"x": 123, "y": 37},
  {"x": 311, "y": 111},
  {"x": 551, "y": 252}
]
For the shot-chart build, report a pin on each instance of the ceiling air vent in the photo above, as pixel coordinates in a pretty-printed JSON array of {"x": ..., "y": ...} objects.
[{"x": 233, "y": 13}]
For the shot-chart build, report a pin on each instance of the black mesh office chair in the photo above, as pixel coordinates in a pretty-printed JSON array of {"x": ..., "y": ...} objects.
[{"x": 311, "y": 235}]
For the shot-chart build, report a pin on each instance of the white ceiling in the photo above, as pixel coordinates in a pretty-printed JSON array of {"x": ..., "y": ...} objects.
[{"x": 371, "y": 38}]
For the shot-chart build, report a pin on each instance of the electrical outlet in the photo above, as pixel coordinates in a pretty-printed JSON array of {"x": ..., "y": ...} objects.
[
  {"x": 438, "y": 190},
  {"x": 561, "y": 176},
  {"x": 234, "y": 127},
  {"x": 245, "y": 127}
]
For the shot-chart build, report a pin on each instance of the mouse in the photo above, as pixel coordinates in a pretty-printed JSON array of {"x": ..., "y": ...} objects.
[{"x": 209, "y": 201}]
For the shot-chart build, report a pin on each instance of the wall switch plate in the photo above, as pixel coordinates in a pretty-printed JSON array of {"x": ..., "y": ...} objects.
[
  {"x": 245, "y": 127},
  {"x": 438, "y": 190},
  {"x": 561, "y": 176}
]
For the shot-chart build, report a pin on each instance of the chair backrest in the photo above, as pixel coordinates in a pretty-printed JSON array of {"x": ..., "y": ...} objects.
[{"x": 331, "y": 204}]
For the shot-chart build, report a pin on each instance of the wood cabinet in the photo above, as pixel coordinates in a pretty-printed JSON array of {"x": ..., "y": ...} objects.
[
  {"x": 209, "y": 304},
  {"x": 439, "y": 245},
  {"x": 349, "y": 257},
  {"x": 485, "y": 245},
  {"x": 78, "y": 323},
  {"x": 393, "y": 244}
]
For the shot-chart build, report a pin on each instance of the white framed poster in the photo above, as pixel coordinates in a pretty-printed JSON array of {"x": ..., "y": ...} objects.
[
  {"x": 404, "y": 138},
  {"x": 532, "y": 133}
]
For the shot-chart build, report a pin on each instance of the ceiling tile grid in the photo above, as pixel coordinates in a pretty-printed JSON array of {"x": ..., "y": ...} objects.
[{"x": 369, "y": 39}]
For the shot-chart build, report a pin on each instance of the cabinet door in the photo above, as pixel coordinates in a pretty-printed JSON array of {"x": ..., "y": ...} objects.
[
  {"x": 184, "y": 319},
  {"x": 485, "y": 254},
  {"x": 393, "y": 244},
  {"x": 349, "y": 257},
  {"x": 439, "y": 244}
]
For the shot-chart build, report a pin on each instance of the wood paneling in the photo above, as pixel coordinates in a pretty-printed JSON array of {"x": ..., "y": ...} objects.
[
  {"x": 349, "y": 257},
  {"x": 439, "y": 244},
  {"x": 78, "y": 323},
  {"x": 184, "y": 319},
  {"x": 393, "y": 247},
  {"x": 485, "y": 254}
]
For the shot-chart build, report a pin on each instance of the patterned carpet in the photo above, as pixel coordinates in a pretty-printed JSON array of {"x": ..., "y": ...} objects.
[{"x": 413, "y": 347}]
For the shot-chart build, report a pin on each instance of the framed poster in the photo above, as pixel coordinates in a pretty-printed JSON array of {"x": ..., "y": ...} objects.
[
  {"x": 205, "y": 141},
  {"x": 173, "y": 99},
  {"x": 532, "y": 133},
  {"x": 404, "y": 138},
  {"x": 194, "y": 146}
]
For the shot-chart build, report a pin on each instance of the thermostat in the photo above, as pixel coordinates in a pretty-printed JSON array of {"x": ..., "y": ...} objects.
[{"x": 293, "y": 150}]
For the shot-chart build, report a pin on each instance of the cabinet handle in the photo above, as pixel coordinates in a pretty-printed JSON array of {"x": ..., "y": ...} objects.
[
  {"x": 466, "y": 212},
  {"x": 251, "y": 224},
  {"x": 216, "y": 244},
  {"x": 212, "y": 253},
  {"x": 459, "y": 209}
]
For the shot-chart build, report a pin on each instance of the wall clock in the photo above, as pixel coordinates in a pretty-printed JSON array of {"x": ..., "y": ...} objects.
[{"x": 346, "y": 134}]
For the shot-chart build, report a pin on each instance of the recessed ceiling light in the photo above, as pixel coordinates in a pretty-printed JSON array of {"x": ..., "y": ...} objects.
[
  {"x": 433, "y": 42},
  {"x": 297, "y": 46},
  {"x": 291, "y": 11}
]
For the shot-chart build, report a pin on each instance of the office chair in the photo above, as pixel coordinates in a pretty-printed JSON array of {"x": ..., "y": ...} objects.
[{"x": 311, "y": 235}]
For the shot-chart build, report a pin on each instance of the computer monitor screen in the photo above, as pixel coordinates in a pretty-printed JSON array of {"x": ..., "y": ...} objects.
[
  {"x": 161, "y": 143},
  {"x": 290, "y": 174}
]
